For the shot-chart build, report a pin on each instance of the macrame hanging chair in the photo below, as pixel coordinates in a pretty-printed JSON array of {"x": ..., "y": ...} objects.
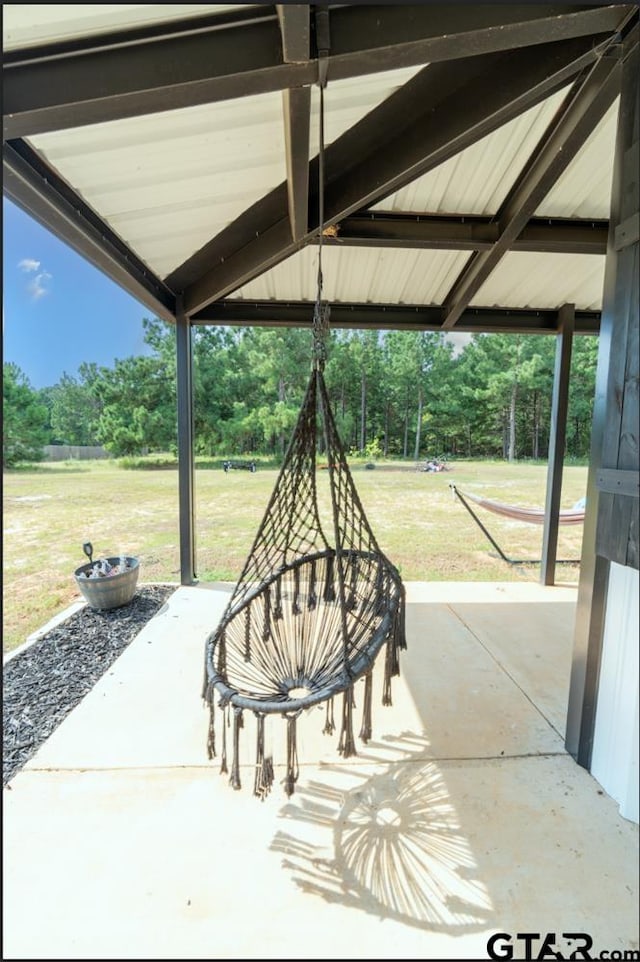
[{"x": 309, "y": 613}]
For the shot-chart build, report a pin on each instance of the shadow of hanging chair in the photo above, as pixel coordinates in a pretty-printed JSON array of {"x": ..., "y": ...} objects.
[{"x": 307, "y": 618}]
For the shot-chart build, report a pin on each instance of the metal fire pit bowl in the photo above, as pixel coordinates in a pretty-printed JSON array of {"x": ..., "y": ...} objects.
[{"x": 112, "y": 591}]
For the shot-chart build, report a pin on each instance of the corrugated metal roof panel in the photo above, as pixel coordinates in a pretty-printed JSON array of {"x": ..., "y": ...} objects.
[
  {"x": 477, "y": 180},
  {"x": 363, "y": 275},
  {"x": 167, "y": 183},
  {"x": 584, "y": 190},
  {"x": 546, "y": 281},
  {"x": 396, "y": 276},
  {"x": 348, "y": 101},
  {"x": 29, "y": 24}
]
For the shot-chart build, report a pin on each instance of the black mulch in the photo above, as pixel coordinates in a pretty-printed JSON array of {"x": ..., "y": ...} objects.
[{"x": 43, "y": 683}]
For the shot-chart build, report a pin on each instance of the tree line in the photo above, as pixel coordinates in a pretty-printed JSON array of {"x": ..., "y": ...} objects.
[{"x": 400, "y": 394}]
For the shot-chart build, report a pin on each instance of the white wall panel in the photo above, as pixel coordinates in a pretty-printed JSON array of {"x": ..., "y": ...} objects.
[{"x": 614, "y": 760}]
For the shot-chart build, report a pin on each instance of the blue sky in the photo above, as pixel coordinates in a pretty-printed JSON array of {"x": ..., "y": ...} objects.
[{"x": 59, "y": 310}]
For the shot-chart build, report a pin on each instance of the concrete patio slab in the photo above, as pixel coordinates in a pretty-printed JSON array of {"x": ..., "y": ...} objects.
[
  {"x": 416, "y": 860},
  {"x": 462, "y": 818},
  {"x": 449, "y": 690}
]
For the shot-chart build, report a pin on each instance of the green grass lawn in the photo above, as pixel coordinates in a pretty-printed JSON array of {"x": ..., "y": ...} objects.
[{"x": 51, "y": 510}]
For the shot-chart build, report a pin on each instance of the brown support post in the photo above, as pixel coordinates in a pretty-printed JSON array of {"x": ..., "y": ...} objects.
[
  {"x": 559, "y": 406},
  {"x": 185, "y": 445},
  {"x": 617, "y": 298}
]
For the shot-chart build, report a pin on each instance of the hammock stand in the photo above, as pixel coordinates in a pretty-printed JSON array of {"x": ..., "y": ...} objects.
[
  {"x": 308, "y": 616},
  {"x": 528, "y": 515}
]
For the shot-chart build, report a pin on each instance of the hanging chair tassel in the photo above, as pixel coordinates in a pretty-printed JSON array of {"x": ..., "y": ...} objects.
[
  {"x": 247, "y": 633},
  {"x": 223, "y": 759},
  {"x": 402, "y": 623},
  {"x": 396, "y": 642},
  {"x": 295, "y": 606},
  {"x": 329, "y": 587},
  {"x": 222, "y": 654},
  {"x": 313, "y": 598},
  {"x": 238, "y": 723},
  {"x": 347, "y": 743},
  {"x": 391, "y": 666},
  {"x": 329, "y": 722},
  {"x": 400, "y": 627},
  {"x": 266, "y": 631},
  {"x": 365, "y": 731},
  {"x": 277, "y": 609},
  {"x": 351, "y": 600},
  {"x": 264, "y": 764},
  {"x": 292, "y": 756},
  {"x": 386, "y": 687},
  {"x": 211, "y": 734}
]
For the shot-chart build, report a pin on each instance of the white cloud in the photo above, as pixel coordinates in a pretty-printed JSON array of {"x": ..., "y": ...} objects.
[
  {"x": 459, "y": 340},
  {"x": 38, "y": 286},
  {"x": 28, "y": 264}
]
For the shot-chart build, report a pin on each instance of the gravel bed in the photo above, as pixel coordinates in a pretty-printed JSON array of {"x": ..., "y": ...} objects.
[{"x": 43, "y": 683}]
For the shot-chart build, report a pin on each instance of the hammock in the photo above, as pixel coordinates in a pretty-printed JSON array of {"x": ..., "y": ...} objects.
[
  {"x": 309, "y": 614},
  {"x": 528, "y": 515}
]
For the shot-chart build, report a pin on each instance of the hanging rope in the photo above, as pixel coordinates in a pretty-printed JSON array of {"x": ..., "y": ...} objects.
[{"x": 320, "y": 311}]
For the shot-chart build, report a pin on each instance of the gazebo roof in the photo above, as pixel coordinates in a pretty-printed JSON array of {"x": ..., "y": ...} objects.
[{"x": 468, "y": 165}]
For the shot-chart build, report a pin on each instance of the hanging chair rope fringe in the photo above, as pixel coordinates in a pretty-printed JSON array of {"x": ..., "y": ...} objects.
[
  {"x": 264, "y": 763},
  {"x": 292, "y": 756},
  {"x": 365, "y": 731},
  {"x": 347, "y": 743},
  {"x": 329, "y": 588},
  {"x": 223, "y": 759},
  {"x": 329, "y": 724},
  {"x": 238, "y": 722}
]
